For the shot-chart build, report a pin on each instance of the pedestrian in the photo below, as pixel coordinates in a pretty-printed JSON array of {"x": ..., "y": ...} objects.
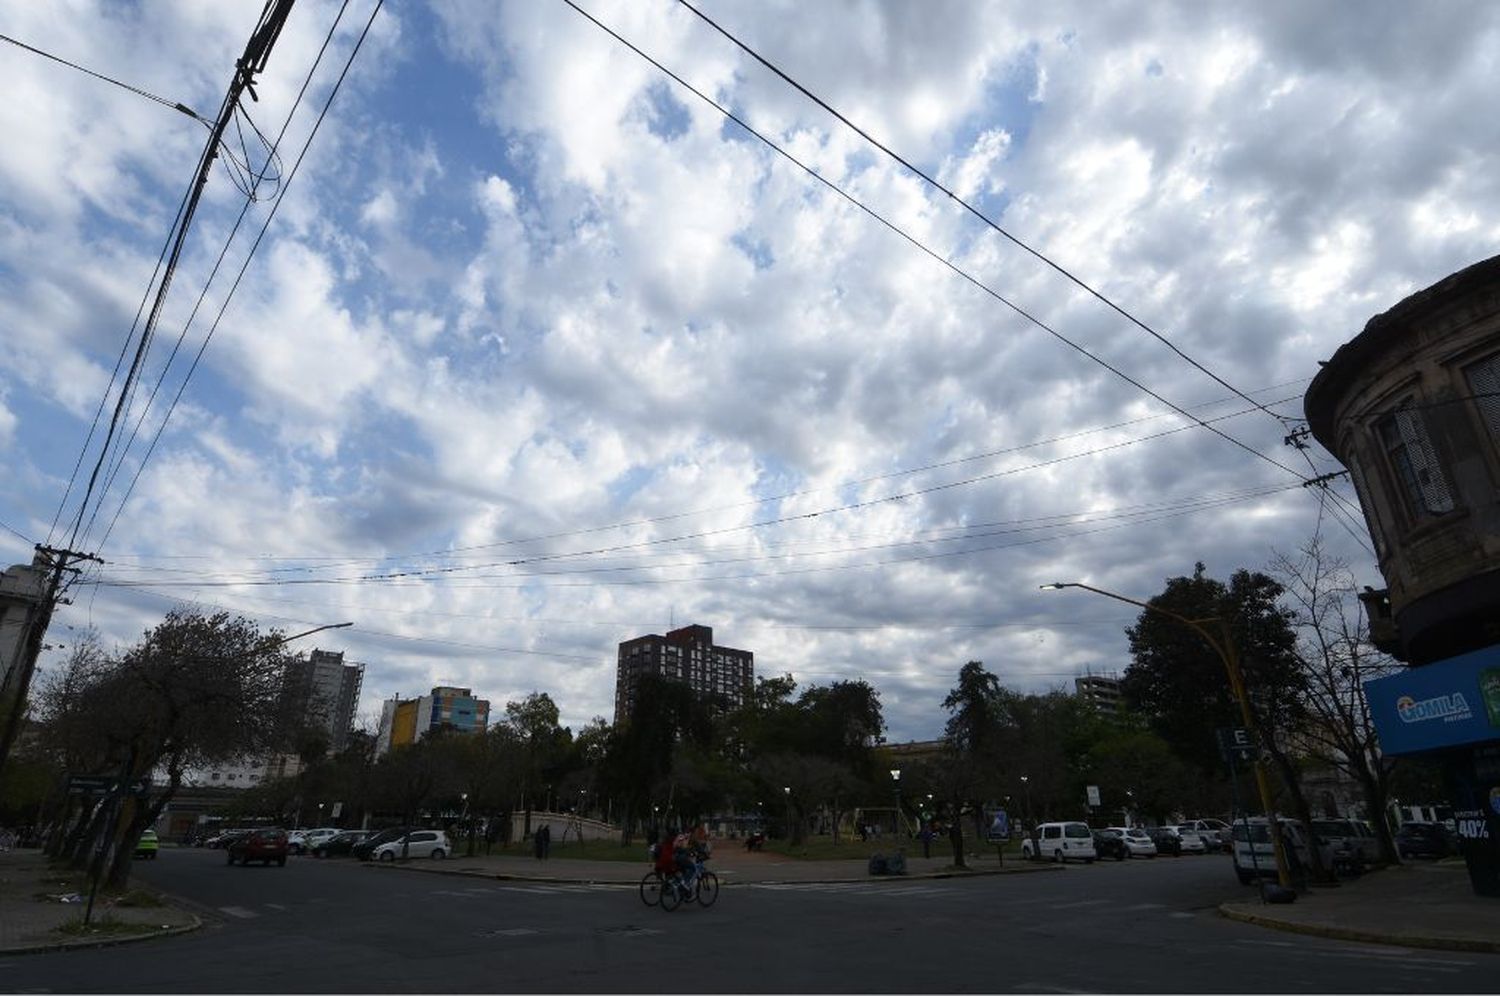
[{"x": 544, "y": 841}]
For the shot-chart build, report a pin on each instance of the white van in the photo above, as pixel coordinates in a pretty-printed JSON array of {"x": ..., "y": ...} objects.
[
  {"x": 1254, "y": 853},
  {"x": 1060, "y": 842}
]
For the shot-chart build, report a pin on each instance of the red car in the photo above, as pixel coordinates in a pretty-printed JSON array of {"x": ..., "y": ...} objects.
[{"x": 264, "y": 846}]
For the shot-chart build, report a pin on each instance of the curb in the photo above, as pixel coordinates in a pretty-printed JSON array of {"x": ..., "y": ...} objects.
[
  {"x": 1427, "y": 941},
  {"x": 104, "y": 942},
  {"x": 727, "y": 882}
]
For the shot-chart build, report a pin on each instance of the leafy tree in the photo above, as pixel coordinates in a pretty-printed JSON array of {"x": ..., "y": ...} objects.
[
  {"x": 1178, "y": 681},
  {"x": 196, "y": 691},
  {"x": 974, "y": 747}
]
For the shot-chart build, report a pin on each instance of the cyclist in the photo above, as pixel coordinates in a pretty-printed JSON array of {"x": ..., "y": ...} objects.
[{"x": 685, "y": 857}]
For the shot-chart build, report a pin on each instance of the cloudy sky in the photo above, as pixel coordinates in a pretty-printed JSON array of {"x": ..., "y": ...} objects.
[{"x": 541, "y": 352}]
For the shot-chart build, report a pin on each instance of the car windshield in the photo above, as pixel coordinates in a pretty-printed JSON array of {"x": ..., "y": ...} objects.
[
  {"x": 1259, "y": 833},
  {"x": 1077, "y": 830}
]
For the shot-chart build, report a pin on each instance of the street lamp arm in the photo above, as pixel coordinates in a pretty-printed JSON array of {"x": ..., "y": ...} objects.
[
  {"x": 1194, "y": 624},
  {"x": 310, "y": 632}
]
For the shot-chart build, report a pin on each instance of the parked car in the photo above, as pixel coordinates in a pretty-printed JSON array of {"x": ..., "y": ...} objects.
[
  {"x": 365, "y": 848},
  {"x": 302, "y": 841},
  {"x": 147, "y": 846},
  {"x": 417, "y": 844},
  {"x": 1192, "y": 840},
  {"x": 264, "y": 845},
  {"x": 1425, "y": 840},
  {"x": 224, "y": 838},
  {"x": 1215, "y": 833},
  {"x": 1166, "y": 839},
  {"x": 339, "y": 844},
  {"x": 1355, "y": 836},
  {"x": 1060, "y": 842},
  {"x": 1110, "y": 843},
  {"x": 1138, "y": 842}
]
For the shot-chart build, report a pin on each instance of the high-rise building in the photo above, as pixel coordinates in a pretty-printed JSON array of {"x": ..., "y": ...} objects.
[
  {"x": 404, "y": 721},
  {"x": 1102, "y": 692},
  {"x": 721, "y": 676},
  {"x": 326, "y": 692}
]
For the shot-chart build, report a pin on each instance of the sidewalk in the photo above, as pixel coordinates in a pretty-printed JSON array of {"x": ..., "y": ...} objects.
[
  {"x": 1412, "y": 905},
  {"x": 31, "y": 911},
  {"x": 733, "y": 865}
]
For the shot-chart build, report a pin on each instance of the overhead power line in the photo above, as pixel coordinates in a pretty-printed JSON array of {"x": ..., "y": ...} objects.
[
  {"x": 921, "y": 246},
  {"x": 176, "y": 105},
  {"x": 253, "y": 61},
  {"x": 250, "y": 198},
  {"x": 971, "y": 209}
]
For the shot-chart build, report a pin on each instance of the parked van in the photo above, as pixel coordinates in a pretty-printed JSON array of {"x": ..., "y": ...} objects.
[
  {"x": 1255, "y": 854},
  {"x": 1060, "y": 842}
]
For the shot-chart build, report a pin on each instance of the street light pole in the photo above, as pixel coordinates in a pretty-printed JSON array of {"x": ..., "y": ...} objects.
[
  {"x": 896, "y": 778},
  {"x": 1224, "y": 646},
  {"x": 1026, "y": 788}
]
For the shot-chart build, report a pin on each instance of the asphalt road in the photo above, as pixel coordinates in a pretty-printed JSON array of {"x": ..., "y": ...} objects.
[{"x": 335, "y": 926}]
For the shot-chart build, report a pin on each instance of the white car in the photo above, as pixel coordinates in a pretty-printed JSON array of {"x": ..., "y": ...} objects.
[
  {"x": 1137, "y": 841},
  {"x": 302, "y": 841},
  {"x": 417, "y": 844},
  {"x": 1060, "y": 842},
  {"x": 1192, "y": 840},
  {"x": 1215, "y": 833}
]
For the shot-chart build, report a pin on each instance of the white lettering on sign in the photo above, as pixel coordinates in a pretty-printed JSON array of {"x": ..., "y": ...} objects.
[{"x": 1448, "y": 708}]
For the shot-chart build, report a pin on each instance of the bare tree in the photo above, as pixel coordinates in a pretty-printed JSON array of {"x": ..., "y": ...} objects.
[{"x": 1337, "y": 658}]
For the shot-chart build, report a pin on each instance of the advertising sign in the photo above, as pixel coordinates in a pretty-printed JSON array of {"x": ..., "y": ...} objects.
[{"x": 1446, "y": 704}]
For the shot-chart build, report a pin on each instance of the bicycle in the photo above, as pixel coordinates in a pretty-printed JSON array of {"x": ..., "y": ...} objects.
[
  {"x": 651, "y": 888},
  {"x": 704, "y": 889}
]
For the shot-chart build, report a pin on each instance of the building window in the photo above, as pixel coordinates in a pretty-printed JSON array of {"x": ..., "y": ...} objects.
[
  {"x": 1414, "y": 461},
  {"x": 1484, "y": 384}
]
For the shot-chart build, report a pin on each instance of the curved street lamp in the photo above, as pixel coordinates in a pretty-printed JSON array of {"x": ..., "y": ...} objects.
[{"x": 1223, "y": 645}]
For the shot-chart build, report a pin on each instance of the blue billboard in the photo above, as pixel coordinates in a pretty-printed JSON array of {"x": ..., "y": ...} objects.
[{"x": 1447, "y": 704}]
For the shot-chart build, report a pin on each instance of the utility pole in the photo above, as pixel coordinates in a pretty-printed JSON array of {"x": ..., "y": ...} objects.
[{"x": 38, "y": 618}]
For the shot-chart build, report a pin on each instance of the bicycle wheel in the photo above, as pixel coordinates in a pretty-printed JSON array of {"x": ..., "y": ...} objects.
[
  {"x": 707, "y": 892},
  {"x": 651, "y": 888},
  {"x": 671, "y": 894}
]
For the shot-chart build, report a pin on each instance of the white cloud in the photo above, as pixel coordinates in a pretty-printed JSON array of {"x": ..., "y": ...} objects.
[{"x": 529, "y": 295}]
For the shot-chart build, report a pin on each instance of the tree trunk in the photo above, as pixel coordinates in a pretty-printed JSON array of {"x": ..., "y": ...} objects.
[
  {"x": 1377, "y": 797},
  {"x": 956, "y": 838},
  {"x": 1293, "y": 784}
]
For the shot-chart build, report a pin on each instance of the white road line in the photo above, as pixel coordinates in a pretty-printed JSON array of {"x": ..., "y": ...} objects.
[
  {"x": 1152, "y": 906},
  {"x": 1180, "y": 916},
  {"x": 1081, "y": 903},
  {"x": 514, "y": 932},
  {"x": 277, "y": 907},
  {"x": 239, "y": 911}
]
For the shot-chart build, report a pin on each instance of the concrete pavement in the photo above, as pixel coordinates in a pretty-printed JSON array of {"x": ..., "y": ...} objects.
[
  {"x": 1418, "y": 905},
  {"x": 733, "y": 865},
  {"x": 33, "y": 913},
  {"x": 1423, "y": 905}
]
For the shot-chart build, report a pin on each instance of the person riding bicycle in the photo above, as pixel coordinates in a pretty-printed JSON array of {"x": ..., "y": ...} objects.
[{"x": 683, "y": 853}]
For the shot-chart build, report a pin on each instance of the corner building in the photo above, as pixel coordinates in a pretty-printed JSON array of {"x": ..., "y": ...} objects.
[
  {"x": 720, "y": 676},
  {"x": 1411, "y": 406}
]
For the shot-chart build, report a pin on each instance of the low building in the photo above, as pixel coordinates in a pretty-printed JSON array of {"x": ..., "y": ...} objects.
[{"x": 1102, "y": 691}]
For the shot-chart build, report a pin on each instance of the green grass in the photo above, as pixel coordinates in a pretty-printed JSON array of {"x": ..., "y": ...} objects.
[
  {"x": 139, "y": 898},
  {"x": 104, "y": 926}
]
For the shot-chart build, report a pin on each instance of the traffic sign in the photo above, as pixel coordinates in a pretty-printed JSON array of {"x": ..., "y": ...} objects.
[
  {"x": 1236, "y": 744},
  {"x": 1093, "y": 794}
]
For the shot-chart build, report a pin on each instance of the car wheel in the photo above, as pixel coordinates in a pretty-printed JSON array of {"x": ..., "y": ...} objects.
[
  {"x": 1088, "y": 861},
  {"x": 438, "y": 854},
  {"x": 1244, "y": 876},
  {"x": 1057, "y": 858},
  {"x": 229, "y": 856},
  {"x": 387, "y": 855},
  {"x": 281, "y": 862}
]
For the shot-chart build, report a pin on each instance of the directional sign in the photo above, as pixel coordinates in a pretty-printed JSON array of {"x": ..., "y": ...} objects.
[
  {"x": 1235, "y": 744},
  {"x": 1092, "y": 791},
  {"x": 104, "y": 784},
  {"x": 89, "y": 784}
]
